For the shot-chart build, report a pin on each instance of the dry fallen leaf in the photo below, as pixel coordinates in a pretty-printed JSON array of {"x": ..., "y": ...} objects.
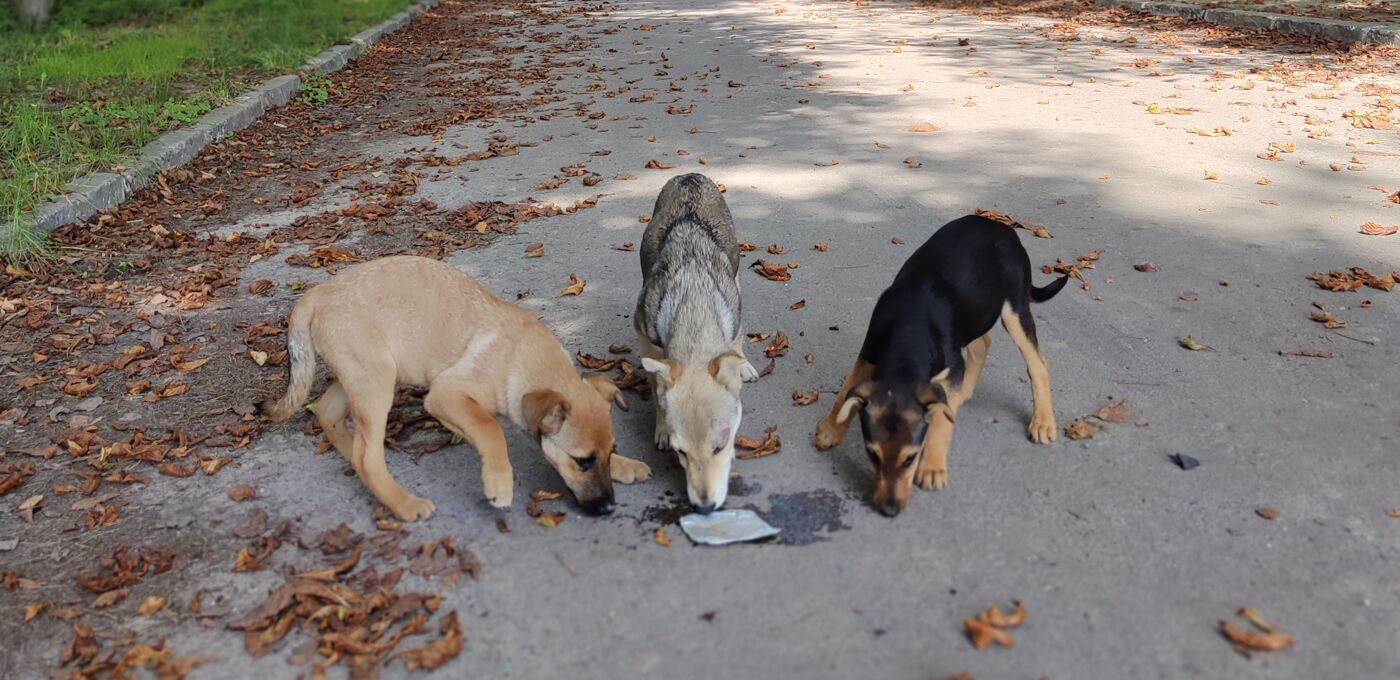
[
  {"x": 1116, "y": 412},
  {"x": 799, "y": 304},
  {"x": 242, "y": 492},
  {"x": 33, "y": 610},
  {"x": 1211, "y": 174},
  {"x": 1376, "y": 229},
  {"x": 110, "y": 598},
  {"x": 984, "y": 634},
  {"x": 551, "y": 519},
  {"x": 438, "y": 652},
  {"x": 800, "y": 398},
  {"x": 773, "y": 271},
  {"x": 754, "y": 448},
  {"x": 1080, "y": 428},
  {"x": 663, "y": 539},
  {"x": 1193, "y": 344},
  {"x": 1255, "y": 617},
  {"x": 1267, "y": 512},
  {"x": 925, "y": 127},
  {"x": 258, "y": 357},
  {"x": 1145, "y": 267},
  {"x": 821, "y": 247},
  {"x": 534, "y": 250},
  {"x": 539, "y": 495},
  {"x": 575, "y": 287},
  {"x": 152, "y": 605},
  {"x": 1251, "y": 640},
  {"x": 654, "y": 164},
  {"x": 778, "y": 347},
  {"x": 994, "y": 616}
]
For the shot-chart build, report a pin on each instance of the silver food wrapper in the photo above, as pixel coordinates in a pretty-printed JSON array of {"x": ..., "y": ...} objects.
[{"x": 726, "y": 526}]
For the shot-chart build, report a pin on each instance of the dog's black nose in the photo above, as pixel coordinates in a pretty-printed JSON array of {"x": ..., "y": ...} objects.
[
  {"x": 889, "y": 509},
  {"x": 598, "y": 506},
  {"x": 706, "y": 508}
]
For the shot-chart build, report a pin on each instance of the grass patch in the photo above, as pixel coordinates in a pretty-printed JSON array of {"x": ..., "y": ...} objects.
[{"x": 107, "y": 76}]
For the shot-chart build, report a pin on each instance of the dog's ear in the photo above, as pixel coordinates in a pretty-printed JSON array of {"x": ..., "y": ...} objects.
[
  {"x": 608, "y": 389},
  {"x": 934, "y": 399},
  {"x": 725, "y": 370},
  {"x": 666, "y": 371},
  {"x": 855, "y": 401},
  {"x": 544, "y": 410}
]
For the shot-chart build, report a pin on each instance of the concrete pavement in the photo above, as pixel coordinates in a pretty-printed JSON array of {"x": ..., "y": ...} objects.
[{"x": 1125, "y": 562}]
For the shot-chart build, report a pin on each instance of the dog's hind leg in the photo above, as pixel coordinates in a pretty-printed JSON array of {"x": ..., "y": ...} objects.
[
  {"x": 369, "y": 383},
  {"x": 451, "y": 402},
  {"x": 977, "y": 352},
  {"x": 831, "y": 430},
  {"x": 1021, "y": 326},
  {"x": 331, "y": 410}
]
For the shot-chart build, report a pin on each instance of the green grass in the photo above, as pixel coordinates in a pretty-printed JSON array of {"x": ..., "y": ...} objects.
[{"x": 107, "y": 76}]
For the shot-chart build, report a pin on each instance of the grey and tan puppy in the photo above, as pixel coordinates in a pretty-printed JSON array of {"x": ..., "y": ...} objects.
[{"x": 688, "y": 321}]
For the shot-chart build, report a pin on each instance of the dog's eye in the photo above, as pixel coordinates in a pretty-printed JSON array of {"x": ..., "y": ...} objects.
[
  {"x": 908, "y": 461},
  {"x": 586, "y": 464}
]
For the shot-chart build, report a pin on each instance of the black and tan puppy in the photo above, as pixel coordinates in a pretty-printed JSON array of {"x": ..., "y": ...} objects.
[{"x": 911, "y": 375}]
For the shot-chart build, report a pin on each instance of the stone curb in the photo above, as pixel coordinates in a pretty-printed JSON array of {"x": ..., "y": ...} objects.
[
  {"x": 1355, "y": 31},
  {"x": 86, "y": 196}
]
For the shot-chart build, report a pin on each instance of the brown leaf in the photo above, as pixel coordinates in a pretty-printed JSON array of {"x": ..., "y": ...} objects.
[
  {"x": 778, "y": 347},
  {"x": 260, "y": 286},
  {"x": 1310, "y": 352},
  {"x": 663, "y": 539},
  {"x": 534, "y": 250},
  {"x": 773, "y": 271},
  {"x": 620, "y": 348},
  {"x": 575, "y": 286},
  {"x": 1252, "y": 640},
  {"x": 799, "y": 304},
  {"x": 800, "y": 398},
  {"x": 439, "y": 651},
  {"x": 821, "y": 247},
  {"x": 1080, "y": 428},
  {"x": 539, "y": 495},
  {"x": 1211, "y": 174},
  {"x": 1116, "y": 412},
  {"x": 33, "y": 610},
  {"x": 110, "y": 598},
  {"x": 551, "y": 519},
  {"x": 994, "y": 616},
  {"x": 1375, "y": 229},
  {"x": 175, "y": 470},
  {"x": 242, "y": 492},
  {"x": 1267, "y": 512},
  {"x": 626, "y": 247},
  {"x": 1193, "y": 344},
  {"x": 754, "y": 448},
  {"x": 925, "y": 127},
  {"x": 152, "y": 605},
  {"x": 775, "y": 249},
  {"x": 983, "y": 634},
  {"x": 654, "y": 164},
  {"x": 1145, "y": 267},
  {"x": 897, "y": 240}
]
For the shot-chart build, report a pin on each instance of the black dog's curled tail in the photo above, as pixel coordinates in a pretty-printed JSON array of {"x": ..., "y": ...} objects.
[{"x": 1049, "y": 290}]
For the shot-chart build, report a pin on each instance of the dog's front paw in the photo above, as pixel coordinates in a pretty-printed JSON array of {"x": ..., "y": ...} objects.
[
  {"x": 413, "y": 508},
  {"x": 1043, "y": 430},
  {"x": 499, "y": 487},
  {"x": 929, "y": 478},
  {"x": 748, "y": 372},
  {"x": 663, "y": 435},
  {"x": 628, "y": 470},
  {"x": 829, "y": 434}
]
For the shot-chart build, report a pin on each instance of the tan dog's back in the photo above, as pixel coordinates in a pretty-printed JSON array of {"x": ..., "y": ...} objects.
[{"x": 426, "y": 312}]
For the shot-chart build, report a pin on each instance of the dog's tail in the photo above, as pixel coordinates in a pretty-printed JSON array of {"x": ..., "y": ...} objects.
[
  {"x": 1048, "y": 290},
  {"x": 303, "y": 365}
]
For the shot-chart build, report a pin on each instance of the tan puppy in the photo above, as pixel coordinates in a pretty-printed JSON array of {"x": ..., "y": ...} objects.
[{"x": 417, "y": 321}]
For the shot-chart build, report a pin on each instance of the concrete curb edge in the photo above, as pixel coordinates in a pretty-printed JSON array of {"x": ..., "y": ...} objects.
[{"x": 1355, "y": 31}]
